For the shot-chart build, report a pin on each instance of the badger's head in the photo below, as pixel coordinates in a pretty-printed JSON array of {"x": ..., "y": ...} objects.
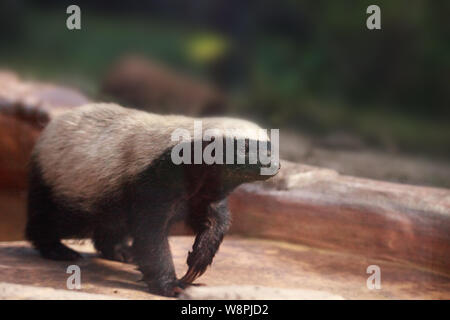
[
  {"x": 236, "y": 151},
  {"x": 249, "y": 159}
]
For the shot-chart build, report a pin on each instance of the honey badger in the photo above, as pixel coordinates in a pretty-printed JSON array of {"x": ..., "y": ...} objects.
[{"x": 105, "y": 172}]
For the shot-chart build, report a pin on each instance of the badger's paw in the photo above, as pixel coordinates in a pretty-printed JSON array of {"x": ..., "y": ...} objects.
[
  {"x": 121, "y": 253},
  {"x": 172, "y": 289},
  {"x": 198, "y": 262},
  {"x": 58, "y": 251}
]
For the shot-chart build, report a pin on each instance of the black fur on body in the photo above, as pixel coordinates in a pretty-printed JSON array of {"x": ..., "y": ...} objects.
[{"x": 144, "y": 209}]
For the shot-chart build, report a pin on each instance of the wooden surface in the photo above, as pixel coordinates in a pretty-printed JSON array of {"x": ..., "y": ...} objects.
[
  {"x": 12, "y": 291},
  {"x": 239, "y": 262},
  {"x": 12, "y": 214},
  {"x": 25, "y": 108},
  {"x": 375, "y": 219}
]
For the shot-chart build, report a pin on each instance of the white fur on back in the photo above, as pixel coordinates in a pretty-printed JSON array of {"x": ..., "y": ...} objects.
[{"x": 87, "y": 152}]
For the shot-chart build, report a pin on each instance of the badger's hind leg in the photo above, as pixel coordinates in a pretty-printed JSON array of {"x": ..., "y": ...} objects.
[
  {"x": 57, "y": 251},
  {"x": 41, "y": 228},
  {"x": 112, "y": 244}
]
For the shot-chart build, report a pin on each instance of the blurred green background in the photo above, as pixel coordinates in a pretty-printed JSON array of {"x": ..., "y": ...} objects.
[{"x": 306, "y": 65}]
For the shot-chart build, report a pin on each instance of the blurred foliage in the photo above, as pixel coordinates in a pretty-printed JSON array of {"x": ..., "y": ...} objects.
[
  {"x": 205, "y": 48},
  {"x": 311, "y": 65}
]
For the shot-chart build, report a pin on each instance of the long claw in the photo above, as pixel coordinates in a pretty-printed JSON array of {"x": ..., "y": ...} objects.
[
  {"x": 177, "y": 291},
  {"x": 190, "y": 276},
  {"x": 187, "y": 278}
]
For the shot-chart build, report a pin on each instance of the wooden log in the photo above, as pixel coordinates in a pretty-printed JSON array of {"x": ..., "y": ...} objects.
[
  {"x": 144, "y": 84},
  {"x": 17, "y": 139},
  {"x": 321, "y": 208},
  {"x": 25, "y": 108},
  {"x": 35, "y": 102}
]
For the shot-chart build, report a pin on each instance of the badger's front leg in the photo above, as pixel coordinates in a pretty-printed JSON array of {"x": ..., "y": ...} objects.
[
  {"x": 210, "y": 222},
  {"x": 152, "y": 254}
]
